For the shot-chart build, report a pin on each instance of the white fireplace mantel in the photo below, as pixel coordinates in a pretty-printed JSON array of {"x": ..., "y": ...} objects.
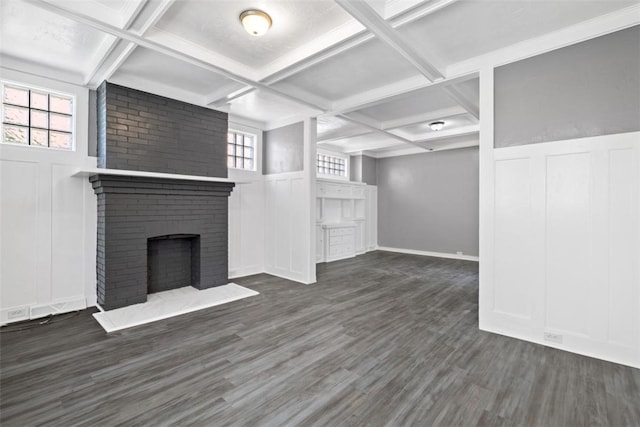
[{"x": 85, "y": 173}]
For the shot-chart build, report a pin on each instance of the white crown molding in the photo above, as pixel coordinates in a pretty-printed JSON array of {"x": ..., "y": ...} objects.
[{"x": 27, "y": 67}]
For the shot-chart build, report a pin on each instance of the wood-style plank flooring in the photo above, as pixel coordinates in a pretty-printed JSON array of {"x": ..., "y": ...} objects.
[{"x": 382, "y": 339}]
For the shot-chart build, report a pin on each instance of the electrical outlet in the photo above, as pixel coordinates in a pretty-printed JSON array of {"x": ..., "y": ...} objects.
[
  {"x": 459, "y": 252},
  {"x": 551, "y": 337},
  {"x": 17, "y": 313}
]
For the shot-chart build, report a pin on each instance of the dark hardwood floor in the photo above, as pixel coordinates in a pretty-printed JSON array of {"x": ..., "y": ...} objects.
[{"x": 383, "y": 339}]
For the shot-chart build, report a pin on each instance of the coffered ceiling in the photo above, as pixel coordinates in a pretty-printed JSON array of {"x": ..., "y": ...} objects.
[{"x": 374, "y": 72}]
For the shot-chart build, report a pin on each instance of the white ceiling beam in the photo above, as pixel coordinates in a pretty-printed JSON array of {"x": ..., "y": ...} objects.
[
  {"x": 385, "y": 32},
  {"x": 227, "y": 93},
  {"x": 148, "y": 17},
  {"x": 424, "y": 118},
  {"x": 157, "y": 47},
  {"x": 119, "y": 50},
  {"x": 219, "y": 99},
  {"x": 452, "y": 133},
  {"x": 455, "y": 94},
  {"x": 368, "y": 17},
  {"x": 349, "y": 43},
  {"x": 420, "y": 11},
  {"x": 360, "y": 120},
  {"x": 394, "y": 91},
  {"x": 337, "y": 136},
  {"x": 345, "y": 45}
]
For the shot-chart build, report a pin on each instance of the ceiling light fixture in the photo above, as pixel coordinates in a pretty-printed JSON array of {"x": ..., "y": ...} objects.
[
  {"x": 255, "y": 22},
  {"x": 436, "y": 126}
]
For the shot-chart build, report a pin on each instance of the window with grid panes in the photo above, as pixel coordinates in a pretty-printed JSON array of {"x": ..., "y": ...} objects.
[
  {"x": 36, "y": 117},
  {"x": 330, "y": 165},
  {"x": 241, "y": 150}
]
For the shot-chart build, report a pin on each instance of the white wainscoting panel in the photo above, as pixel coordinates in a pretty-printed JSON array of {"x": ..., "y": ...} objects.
[
  {"x": 564, "y": 246},
  {"x": 246, "y": 229},
  {"x": 515, "y": 274},
  {"x": 287, "y": 231},
  {"x": 47, "y": 220},
  {"x": 569, "y": 243},
  {"x": 19, "y": 250}
]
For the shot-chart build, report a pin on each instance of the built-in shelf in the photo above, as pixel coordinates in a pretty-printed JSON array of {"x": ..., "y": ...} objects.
[
  {"x": 85, "y": 173},
  {"x": 345, "y": 219}
]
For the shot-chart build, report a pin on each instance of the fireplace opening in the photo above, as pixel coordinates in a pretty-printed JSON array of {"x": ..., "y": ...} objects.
[{"x": 173, "y": 262}]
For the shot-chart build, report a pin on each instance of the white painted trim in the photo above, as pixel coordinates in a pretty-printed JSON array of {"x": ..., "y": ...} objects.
[
  {"x": 37, "y": 311},
  {"x": 254, "y": 125},
  {"x": 364, "y": 13},
  {"x": 525, "y": 337},
  {"x": 246, "y": 271},
  {"x": 429, "y": 253},
  {"x": 83, "y": 173}
]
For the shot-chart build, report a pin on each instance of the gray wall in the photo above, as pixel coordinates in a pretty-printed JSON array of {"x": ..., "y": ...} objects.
[
  {"x": 369, "y": 170},
  {"x": 363, "y": 169},
  {"x": 355, "y": 168},
  {"x": 588, "y": 89},
  {"x": 283, "y": 149},
  {"x": 429, "y": 202}
]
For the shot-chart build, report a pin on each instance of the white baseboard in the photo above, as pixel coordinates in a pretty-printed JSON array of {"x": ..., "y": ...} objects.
[
  {"x": 627, "y": 361},
  {"x": 29, "y": 312},
  {"x": 428, "y": 253},
  {"x": 245, "y": 271}
]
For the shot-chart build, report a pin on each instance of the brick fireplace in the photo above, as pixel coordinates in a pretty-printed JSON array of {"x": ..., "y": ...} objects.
[{"x": 162, "y": 197}]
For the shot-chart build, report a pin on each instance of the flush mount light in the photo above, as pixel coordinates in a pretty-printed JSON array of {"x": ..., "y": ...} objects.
[
  {"x": 436, "y": 126},
  {"x": 255, "y": 22}
]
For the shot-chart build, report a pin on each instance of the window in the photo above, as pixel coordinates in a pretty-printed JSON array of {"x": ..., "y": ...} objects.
[
  {"x": 36, "y": 117},
  {"x": 241, "y": 151},
  {"x": 331, "y": 165}
]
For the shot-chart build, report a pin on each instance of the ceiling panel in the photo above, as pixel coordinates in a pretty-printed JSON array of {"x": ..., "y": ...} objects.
[
  {"x": 369, "y": 142},
  {"x": 215, "y": 26},
  {"x": 419, "y": 101},
  {"x": 156, "y": 67},
  {"x": 469, "y": 28},
  {"x": 35, "y": 35},
  {"x": 269, "y": 108},
  {"x": 329, "y": 127},
  {"x": 422, "y": 130},
  {"x": 365, "y": 67}
]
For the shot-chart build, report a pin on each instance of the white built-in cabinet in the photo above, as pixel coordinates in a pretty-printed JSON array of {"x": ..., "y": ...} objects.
[{"x": 346, "y": 219}]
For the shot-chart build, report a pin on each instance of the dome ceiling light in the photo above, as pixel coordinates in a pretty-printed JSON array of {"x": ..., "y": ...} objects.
[
  {"x": 255, "y": 22},
  {"x": 436, "y": 126}
]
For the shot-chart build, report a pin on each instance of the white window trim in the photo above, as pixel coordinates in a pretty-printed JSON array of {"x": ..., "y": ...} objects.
[
  {"x": 347, "y": 165},
  {"x": 256, "y": 132},
  {"x": 51, "y": 91},
  {"x": 80, "y": 157}
]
